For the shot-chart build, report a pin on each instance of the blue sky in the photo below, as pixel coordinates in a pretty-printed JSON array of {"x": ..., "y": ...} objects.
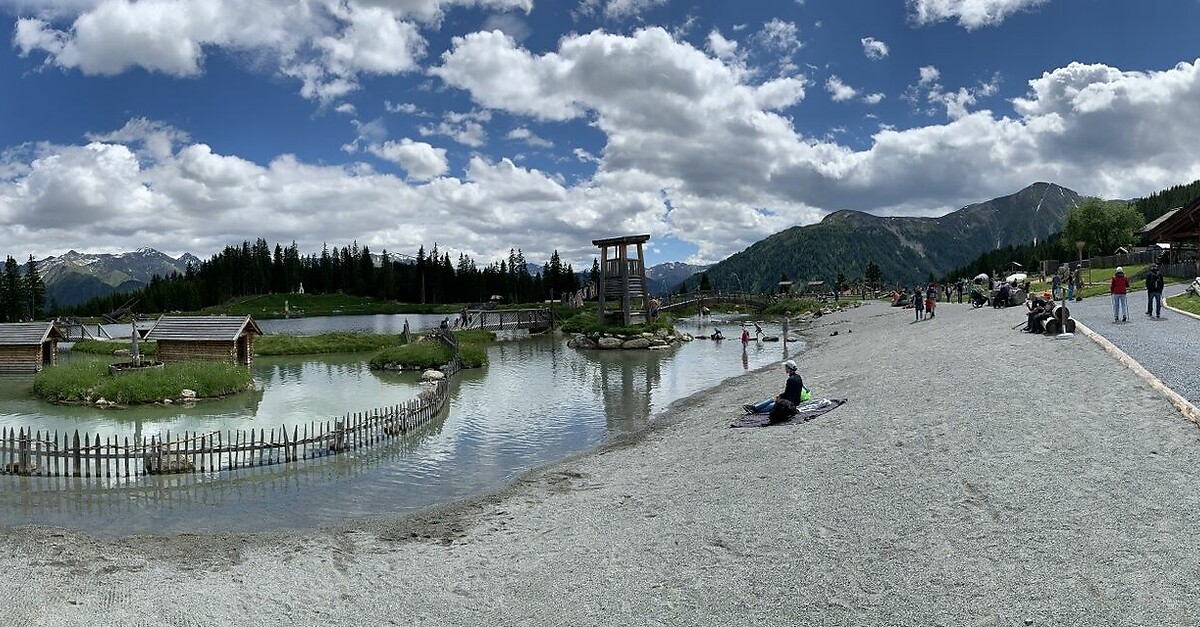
[{"x": 483, "y": 125}]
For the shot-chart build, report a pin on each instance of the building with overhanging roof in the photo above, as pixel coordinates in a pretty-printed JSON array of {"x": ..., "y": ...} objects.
[
  {"x": 27, "y": 346},
  {"x": 1179, "y": 227},
  {"x": 205, "y": 338}
]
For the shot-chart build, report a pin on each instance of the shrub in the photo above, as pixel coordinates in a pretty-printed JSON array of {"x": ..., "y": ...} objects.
[
  {"x": 427, "y": 354},
  {"x": 80, "y": 382}
]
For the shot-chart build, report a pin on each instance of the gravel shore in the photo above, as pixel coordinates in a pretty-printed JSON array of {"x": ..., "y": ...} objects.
[{"x": 976, "y": 476}]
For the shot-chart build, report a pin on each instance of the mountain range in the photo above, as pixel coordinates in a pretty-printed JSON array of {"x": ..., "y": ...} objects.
[
  {"x": 906, "y": 250},
  {"x": 75, "y": 277}
]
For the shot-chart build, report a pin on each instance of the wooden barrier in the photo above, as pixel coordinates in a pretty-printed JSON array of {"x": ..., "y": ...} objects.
[{"x": 85, "y": 455}]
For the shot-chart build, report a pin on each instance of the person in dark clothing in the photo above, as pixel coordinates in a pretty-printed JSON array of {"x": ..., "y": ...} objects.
[
  {"x": 1154, "y": 290},
  {"x": 793, "y": 393},
  {"x": 1040, "y": 308}
]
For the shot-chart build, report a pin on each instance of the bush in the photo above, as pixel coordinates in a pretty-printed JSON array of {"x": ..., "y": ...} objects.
[
  {"x": 427, "y": 354},
  {"x": 81, "y": 382},
  {"x": 585, "y": 322}
]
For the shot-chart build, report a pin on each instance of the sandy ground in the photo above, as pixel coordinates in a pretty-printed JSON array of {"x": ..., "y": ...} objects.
[{"x": 977, "y": 476}]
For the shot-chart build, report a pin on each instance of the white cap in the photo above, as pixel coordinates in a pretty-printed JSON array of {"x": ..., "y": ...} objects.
[
  {"x": 1120, "y": 270},
  {"x": 790, "y": 364}
]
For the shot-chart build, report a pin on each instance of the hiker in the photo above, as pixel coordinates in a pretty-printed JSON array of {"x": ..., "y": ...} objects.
[
  {"x": 1154, "y": 290},
  {"x": 918, "y": 303},
  {"x": 783, "y": 406},
  {"x": 1119, "y": 287}
]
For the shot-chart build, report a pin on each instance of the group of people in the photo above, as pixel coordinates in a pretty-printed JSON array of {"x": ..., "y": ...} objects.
[
  {"x": 925, "y": 304},
  {"x": 1119, "y": 288}
]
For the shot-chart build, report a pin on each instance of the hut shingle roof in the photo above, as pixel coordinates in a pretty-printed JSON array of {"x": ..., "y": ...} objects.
[
  {"x": 26, "y": 333},
  {"x": 202, "y": 328}
]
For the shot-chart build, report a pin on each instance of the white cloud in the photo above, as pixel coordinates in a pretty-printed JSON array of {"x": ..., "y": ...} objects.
[
  {"x": 929, "y": 74},
  {"x": 721, "y": 48},
  {"x": 971, "y": 14},
  {"x": 527, "y": 136},
  {"x": 325, "y": 45},
  {"x": 421, "y": 160},
  {"x": 873, "y": 99},
  {"x": 619, "y": 9},
  {"x": 839, "y": 90},
  {"x": 464, "y": 128},
  {"x": 873, "y": 48}
]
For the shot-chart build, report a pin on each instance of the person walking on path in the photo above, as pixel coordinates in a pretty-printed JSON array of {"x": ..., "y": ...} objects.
[
  {"x": 1154, "y": 291},
  {"x": 1078, "y": 282},
  {"x": 918, "y": 303},
  {"x": 1119, "y": 286}
]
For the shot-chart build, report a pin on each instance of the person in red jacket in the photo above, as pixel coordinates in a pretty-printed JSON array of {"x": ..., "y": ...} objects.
[{"x": 1119, "y": 286}]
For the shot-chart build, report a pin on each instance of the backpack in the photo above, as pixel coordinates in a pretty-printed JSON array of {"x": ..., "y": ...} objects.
[{"x": 782, "y": 410}]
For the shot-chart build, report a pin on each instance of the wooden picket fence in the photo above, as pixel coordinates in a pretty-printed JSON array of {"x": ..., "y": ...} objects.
[{"x": 33, "y": 453}]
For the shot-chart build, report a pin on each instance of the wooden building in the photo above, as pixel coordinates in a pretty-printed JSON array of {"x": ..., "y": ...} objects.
[
  {"x": 27, "y": 346},
  {"x": 1179, "y": 227},
  {"x": 623, "y": 279},
  {"x": 205, "y": 338}
]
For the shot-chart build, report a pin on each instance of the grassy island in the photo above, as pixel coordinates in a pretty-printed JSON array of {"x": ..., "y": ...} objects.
[
  {"x": 91, "y": 381},
  {"x": 472, "y": 349}
]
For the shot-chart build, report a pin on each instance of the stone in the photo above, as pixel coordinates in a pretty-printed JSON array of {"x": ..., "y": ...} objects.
[
  {"x": 187, "y": 394},
  {"x": 102, "y": 402},
  {"x": 432, "y": 375},
  {"x": 608, "y": 342},
  {"x": 636, "y": 343},
  {"x": 662, "y": 333},
  {"x": 167, "y": 401}
]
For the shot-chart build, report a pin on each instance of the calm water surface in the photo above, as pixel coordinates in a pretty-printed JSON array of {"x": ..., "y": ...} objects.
[{"x": 537, "y": 401}]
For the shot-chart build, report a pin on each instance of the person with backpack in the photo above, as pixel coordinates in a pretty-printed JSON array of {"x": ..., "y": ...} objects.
[
  {"x": 783, "y": 406},
  {"x": 1154, "y": 290}
]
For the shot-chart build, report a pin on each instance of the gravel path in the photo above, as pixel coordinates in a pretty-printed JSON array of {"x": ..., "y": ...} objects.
[
  {"x": 1166, "y": 346},
  {"x": 977, "y": 476}
]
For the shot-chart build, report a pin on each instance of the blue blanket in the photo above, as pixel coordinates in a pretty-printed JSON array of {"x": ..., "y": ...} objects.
[{"x": 805, "y": 411}]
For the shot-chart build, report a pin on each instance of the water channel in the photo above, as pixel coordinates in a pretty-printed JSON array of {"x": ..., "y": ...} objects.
[{"x": 536, "y": 402}]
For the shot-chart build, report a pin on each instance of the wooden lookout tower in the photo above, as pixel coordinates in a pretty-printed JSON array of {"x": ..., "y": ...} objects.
[{"x": 622, "y": 278}]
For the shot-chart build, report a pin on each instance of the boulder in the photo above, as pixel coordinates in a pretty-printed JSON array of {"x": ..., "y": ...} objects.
[
  {"x": 187, "y": 395},
  {"x": 636, "y": 343},
  {"x": 608, "y": 342},
  {"x": 432, "y": 375}
]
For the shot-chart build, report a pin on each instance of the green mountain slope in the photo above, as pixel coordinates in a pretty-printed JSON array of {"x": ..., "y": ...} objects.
[{"x": 905, "y": 249}]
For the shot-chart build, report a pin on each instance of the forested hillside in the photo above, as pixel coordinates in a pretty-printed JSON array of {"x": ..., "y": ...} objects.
[{"x": 252, "y": 269}]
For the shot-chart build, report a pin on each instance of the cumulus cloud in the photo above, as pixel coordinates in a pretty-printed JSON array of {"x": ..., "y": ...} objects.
[
  {"x": 671, "y": 122},
  {"x": 839, "y": 90},
  {"x": 970, "y": 14},
  {"x": 421, "y": 160},
  {"x": 326, "y": 46},
  {"x": 873, "y": 48},
  {"x": 464, "y": 128},
  {"x": 955, "y": 103},
  {"x": 720, "y": 47}
]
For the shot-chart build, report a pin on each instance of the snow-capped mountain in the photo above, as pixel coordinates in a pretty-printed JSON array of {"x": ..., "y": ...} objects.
[{"x": 75, "y": 277}]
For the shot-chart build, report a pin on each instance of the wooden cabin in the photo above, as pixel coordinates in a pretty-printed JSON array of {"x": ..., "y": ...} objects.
[
  {"x": 27, "y": 346},
  {"x": 205, "y": 338}
]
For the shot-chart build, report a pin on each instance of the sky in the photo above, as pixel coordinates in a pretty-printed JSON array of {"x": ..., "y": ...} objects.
[{"x": 486, "y": 125}]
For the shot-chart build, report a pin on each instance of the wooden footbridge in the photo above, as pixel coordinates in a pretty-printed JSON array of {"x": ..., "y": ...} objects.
[
  {"x": 704, "y": 299},
  {"x": 505, "y": 319}
]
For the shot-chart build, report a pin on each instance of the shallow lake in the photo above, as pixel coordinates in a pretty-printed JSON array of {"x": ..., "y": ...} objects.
[{"x": 538, "y": 401}]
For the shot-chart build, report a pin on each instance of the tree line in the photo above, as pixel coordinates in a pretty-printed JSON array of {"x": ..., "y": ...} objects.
[
  {"x": 22, "y": 293},
  {"x": 428, "y": 277}
]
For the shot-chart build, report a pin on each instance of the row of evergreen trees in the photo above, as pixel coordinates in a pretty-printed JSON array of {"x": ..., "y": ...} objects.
[
  {"x": 428, "y": 277},
  {"x": 22, "y": 294}
]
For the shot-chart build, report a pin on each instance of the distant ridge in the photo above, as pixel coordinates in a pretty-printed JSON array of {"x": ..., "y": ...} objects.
[
  {"x": 75, "y": 277},
  {"x": 905, "y": 249}
]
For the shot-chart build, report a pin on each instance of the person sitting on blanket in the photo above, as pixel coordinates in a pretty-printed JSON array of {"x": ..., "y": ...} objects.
[{"x": 793, "y": 394}]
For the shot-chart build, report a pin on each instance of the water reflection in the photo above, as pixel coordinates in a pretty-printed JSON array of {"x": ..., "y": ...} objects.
[{"x": 537, "y": 402}]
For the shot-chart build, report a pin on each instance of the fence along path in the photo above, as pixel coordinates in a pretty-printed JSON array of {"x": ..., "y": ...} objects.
[{"x": 34, "y": 453}]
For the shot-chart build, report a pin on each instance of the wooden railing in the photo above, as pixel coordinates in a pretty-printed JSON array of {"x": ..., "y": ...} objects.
[
  {"x": 33, "y": 453},
  {"x": 503, "y": 319}
]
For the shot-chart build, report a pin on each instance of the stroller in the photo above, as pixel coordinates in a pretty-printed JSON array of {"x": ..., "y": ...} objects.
[{"x": 1194, "y": 288}]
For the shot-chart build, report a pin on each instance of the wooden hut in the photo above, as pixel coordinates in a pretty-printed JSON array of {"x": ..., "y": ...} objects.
[
  {"x": 27, "y": 346},
  {"x": 205, "y": 338},
  {"x": 623, "y": 279}
]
